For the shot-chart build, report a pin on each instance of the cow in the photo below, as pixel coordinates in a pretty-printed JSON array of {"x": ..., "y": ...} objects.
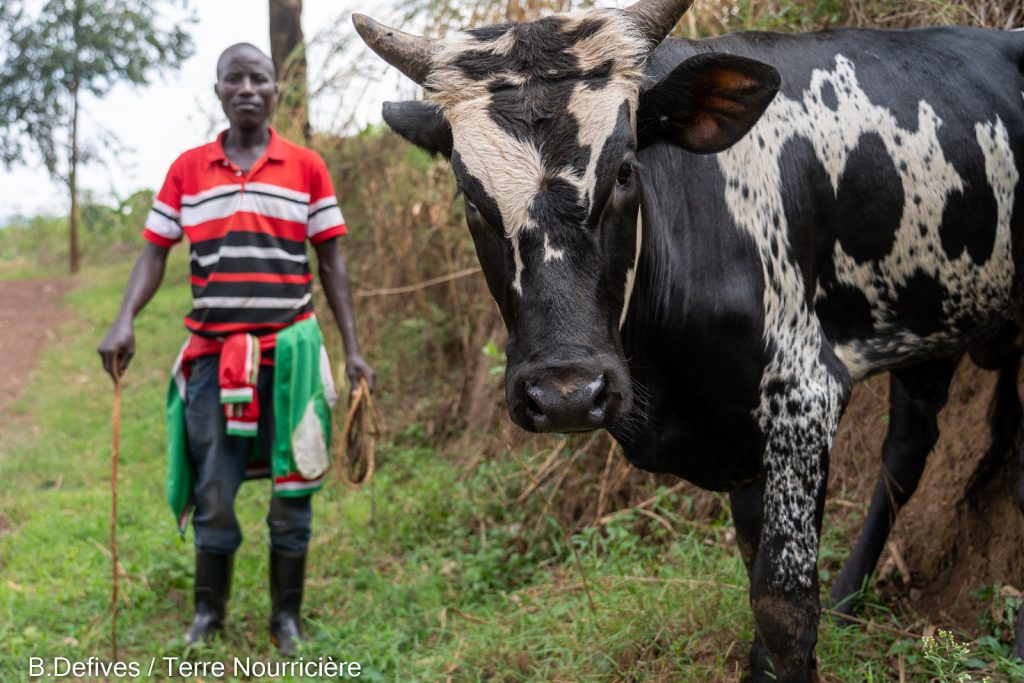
[{"x": 699, "y": 245}]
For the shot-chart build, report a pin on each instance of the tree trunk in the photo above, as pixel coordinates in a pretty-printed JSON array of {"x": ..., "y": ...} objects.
[
  {"x": 73, "y": 180},
  {"x": 73, "y": 258},
  {"x": 288, "y": 52}
]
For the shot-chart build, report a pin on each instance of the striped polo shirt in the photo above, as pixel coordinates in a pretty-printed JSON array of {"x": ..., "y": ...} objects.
[{"x": 247, "y": 233}]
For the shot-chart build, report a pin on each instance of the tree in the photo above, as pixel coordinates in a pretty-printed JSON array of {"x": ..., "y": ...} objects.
[
  {"x": 68, "y": 48},
  {"x": 288, "y": 52}
]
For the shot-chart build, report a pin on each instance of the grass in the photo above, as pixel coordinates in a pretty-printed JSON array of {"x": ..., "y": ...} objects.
[{"x": 430, "y": 573}]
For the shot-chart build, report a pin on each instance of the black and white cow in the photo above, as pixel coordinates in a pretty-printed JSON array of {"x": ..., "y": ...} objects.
[{"x": 701, "y": 256}]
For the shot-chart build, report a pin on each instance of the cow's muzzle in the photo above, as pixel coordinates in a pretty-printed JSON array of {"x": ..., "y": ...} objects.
[{"x": 558, "y": 399}]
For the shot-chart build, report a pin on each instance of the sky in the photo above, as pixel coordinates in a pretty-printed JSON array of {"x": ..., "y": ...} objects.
[{"x": 178, "y": 111}]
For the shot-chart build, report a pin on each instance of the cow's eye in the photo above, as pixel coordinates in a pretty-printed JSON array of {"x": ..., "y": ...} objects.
[{"x": 625, "y": 173}]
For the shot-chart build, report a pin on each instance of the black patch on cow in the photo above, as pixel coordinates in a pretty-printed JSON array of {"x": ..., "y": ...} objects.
[
  {"x": 813, "y": 221},
  {"x": 969, "y": 222},
  {"x": 517, "y": 112},
  {"x": 828, "y": 96},
  {"x": 804, "y": 182},
  {"x": 969, "y": 219},
  {"x": 869, "y": 203},
  {"x": 539, "y": 113},
  {"x": 919, "y": 305},
  {"x": 486, "y": 34},
  {"x": 845, "y": 313},
  {"x": 540, "y": 51},
  {"x": 557, "y": 203}
]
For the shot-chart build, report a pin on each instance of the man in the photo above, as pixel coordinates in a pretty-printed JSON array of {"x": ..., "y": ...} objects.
[{"x": 247, "y": 202}]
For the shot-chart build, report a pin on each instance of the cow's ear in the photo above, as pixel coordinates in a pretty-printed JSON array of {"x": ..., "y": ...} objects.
[
  {"x": 421, "y": 123},
  {"x": 707, "y": 103}
]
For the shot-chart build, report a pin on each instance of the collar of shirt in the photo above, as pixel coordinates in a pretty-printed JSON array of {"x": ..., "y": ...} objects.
[{"x": 275, "y": 149}]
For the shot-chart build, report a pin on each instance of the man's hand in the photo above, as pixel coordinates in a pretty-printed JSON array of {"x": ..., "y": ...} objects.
[
  {"x": 117, "y": 348},
  {"x": 356, "y": 367}
]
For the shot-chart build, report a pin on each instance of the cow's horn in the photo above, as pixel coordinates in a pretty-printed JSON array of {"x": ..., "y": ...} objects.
[
  {"x": 656, "y": 18},
  {"x": 408, "y": 53}
]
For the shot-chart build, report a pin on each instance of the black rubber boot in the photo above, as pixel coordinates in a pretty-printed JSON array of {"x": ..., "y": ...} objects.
[
  {"x": 212, "y": 588},
  {"x": 287, "y": 572}
]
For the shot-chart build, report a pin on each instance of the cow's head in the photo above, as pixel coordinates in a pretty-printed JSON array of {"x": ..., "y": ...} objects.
[{"x": 542, "y": 123}]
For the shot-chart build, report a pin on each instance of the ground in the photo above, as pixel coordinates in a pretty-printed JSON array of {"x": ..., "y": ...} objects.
[
  {"x": 27, "y": 314},
  {"x": 451, "y": 566},
  {"x": 954, "y": 552}
]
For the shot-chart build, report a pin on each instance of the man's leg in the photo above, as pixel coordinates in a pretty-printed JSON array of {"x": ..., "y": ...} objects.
[
  {"x": 219, "y": 460},
  {"x": 290, "y": 523}
]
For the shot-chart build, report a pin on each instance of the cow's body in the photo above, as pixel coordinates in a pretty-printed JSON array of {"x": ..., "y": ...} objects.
[
  {"x": 873, "y": 201},
  {"x": 870, "y": 220}
]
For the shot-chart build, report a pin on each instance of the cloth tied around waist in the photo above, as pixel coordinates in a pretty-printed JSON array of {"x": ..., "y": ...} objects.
[
  {"x": 239, "y": 372},
  {"x": 303, "y": 398}
]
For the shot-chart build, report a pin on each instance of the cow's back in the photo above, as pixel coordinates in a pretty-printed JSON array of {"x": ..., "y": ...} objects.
[{"x": 885, "y": 174}]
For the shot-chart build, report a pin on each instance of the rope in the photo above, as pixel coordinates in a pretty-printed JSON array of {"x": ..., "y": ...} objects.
[
  {"x": 113, "y": 508},
  {"x": 418, "y": 286},
  {"x": 356, "y": 454}
]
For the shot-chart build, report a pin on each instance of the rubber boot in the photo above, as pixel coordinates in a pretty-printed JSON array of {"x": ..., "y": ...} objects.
[
  {"x": 212, "y": 588},
  {"x": 287, "y": 572}
]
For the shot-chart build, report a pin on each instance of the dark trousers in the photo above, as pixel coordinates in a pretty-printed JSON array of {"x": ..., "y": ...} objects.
[{"x": 220, "y": 462}]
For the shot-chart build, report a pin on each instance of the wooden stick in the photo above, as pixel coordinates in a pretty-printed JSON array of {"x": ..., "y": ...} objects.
[
  {"x": 870, "y": 624},
  {"x": 113, "y": 508}
]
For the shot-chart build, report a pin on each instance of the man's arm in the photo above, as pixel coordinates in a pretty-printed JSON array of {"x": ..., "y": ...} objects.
[
  {"x": 118, "y": 347},
  {"x": 334, "y": 280}
]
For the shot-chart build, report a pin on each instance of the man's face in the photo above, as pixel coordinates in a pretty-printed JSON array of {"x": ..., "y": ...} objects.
[{"x": 246, "y": 88}]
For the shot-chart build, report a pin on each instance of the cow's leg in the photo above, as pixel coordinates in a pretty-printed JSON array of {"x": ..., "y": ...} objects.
[
  {"x": 746, "y": 514},
  {"x": 916, "y": 394},
  {"x": 798, "y": 417}
]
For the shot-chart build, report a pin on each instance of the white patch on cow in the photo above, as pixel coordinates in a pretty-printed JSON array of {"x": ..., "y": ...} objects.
[
  {"x": 994, "y": 278},
  {"x": 511, "y": 170},
  {"x": 801, "y": 400},
  {"x": 517, "y": 257},
  {"x": 597, "y": 112},
  {"x": 501, "y": 161},
  {"x": 631, "y": 273},
  {"x": 550, "y": 253},
  {"x": 856, "y": 364}
]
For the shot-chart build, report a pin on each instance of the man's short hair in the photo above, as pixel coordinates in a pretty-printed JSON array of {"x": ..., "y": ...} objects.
[{"x": 238, "y": 47}]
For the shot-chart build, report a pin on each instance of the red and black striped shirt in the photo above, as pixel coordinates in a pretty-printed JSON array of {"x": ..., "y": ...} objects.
[{"x": 247, "y": 233}]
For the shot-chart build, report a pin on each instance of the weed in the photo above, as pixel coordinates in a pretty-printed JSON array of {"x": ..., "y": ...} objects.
[{"x": 947, "y": 658}]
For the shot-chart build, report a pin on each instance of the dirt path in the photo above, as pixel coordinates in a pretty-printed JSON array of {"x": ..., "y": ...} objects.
[{"x": 29, "y": 314}]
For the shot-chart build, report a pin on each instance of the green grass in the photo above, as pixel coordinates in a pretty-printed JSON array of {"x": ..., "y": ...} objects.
[{"x": 429, "y": 574}]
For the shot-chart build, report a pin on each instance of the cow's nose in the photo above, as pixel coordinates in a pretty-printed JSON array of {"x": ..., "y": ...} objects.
[{"x": 555, "y": 405}]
